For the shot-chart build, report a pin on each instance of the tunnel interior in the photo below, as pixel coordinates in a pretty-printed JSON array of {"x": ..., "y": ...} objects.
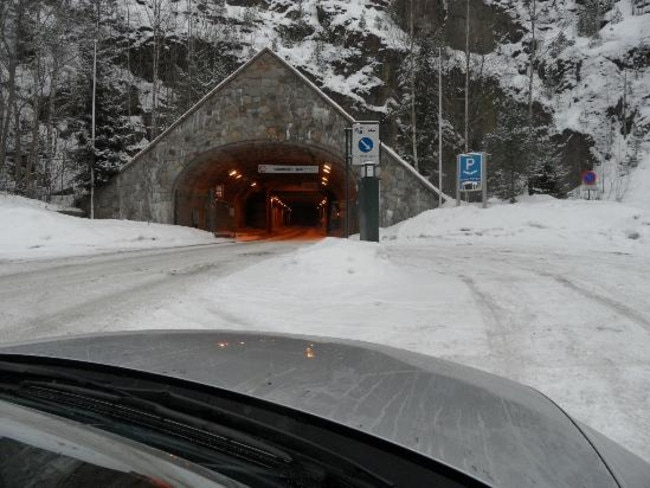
[{"x": 266, "y": 189}]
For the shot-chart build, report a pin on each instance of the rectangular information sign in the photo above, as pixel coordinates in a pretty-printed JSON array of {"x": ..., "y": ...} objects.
[
  {"x": 288, "y": 169},
  {"x": 365, "y": 143},
  {"x": 470, "y": 171}
]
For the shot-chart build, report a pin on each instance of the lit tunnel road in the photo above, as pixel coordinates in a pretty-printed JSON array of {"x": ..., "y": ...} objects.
[{"x": 265, "y": 190}]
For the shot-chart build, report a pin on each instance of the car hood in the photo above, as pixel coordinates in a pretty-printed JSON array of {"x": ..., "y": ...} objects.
[{"x": 501, "y": 432}]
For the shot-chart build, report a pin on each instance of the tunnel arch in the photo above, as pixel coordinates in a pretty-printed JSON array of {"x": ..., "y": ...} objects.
[{"x": 221, "y": 189}]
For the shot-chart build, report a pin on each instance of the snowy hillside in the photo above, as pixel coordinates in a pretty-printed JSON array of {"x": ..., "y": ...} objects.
[{"x": 378, "y": 58}]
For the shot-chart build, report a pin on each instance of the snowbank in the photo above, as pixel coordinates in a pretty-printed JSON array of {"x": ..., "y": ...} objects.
[
  {"x": 34, "y": 229},
  {"x": 537, "y": 221}
]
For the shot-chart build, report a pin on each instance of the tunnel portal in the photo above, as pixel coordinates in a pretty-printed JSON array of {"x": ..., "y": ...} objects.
[
  {"x": 267, "y": 189},
  {"x": 204, "y": 170}
]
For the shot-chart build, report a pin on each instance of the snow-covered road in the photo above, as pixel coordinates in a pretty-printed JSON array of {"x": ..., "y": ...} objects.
[
  {"x": 549, "y": 293},
  {"x": 576, "y": 326},
  {"x": 94, "y": 293}
]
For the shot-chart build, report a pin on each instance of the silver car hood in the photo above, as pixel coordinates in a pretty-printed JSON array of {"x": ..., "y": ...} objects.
[{"x": 501, "y": 432}]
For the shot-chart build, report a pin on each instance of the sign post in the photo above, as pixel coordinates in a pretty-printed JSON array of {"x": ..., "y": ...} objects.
[
  {"x": 472, "y": 175},
  {"x": 366, "y": 153},
  {"x": 348, "y": 162},
  {"x": 589, "y": 183}
]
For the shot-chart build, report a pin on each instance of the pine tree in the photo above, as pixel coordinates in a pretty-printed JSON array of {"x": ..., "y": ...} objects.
[
  {"x": 508, "y": 146},
  {"x": 116, "y": 137},
  {"x": 548, "y": 175}
]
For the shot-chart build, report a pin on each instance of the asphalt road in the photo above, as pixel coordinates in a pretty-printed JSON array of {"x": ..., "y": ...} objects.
[{"x": 72, "y": 295}]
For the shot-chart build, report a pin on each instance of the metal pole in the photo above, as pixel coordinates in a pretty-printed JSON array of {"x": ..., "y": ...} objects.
[
  {"x": 624, "y": 105},
  {"x": 485, "y": 178},
  {"x": 348, "y": 155},
  {"x": 456, "y": 182},
  {"x": 439, "y": 127},
  {"x": 92, "y": 164},
  {"x": 467, "y": 80}
]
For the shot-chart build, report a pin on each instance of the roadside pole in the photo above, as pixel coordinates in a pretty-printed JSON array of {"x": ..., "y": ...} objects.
[
  {"x": 484, "y": 172},
  {"x": 439, "y": 127},
  {"x": 348, "y": 158},
  {"x": 458, "y": 180}
]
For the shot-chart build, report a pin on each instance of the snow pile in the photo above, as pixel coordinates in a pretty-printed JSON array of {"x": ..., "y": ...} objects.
[
  {"x": 34, "y": 229},
  {"x": 537, "y": 221},
  {"x": 337, "y": 288},
  {"x": 330, "y": 268}
]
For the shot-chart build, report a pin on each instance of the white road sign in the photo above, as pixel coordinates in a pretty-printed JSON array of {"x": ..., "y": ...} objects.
[
  {"x": 365, "y": 143},
  {"x": 279, "y": 168}
]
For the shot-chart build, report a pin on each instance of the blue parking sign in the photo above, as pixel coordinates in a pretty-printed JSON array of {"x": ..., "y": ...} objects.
[
  {"x": 471, "y": 176},
  {"x": 470, "y": 168}
]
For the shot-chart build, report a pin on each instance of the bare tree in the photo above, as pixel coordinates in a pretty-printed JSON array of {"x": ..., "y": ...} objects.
[
  {"x": 11, "y": 19},
  {"x": 532, "y": 8},
  {"x": 157, "y": 15},
  {"x": 414, "y": 127}
]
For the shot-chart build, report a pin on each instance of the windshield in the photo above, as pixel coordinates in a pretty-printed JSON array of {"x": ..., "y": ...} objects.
[
  {"x": 255, "y": 442},
  {"x": 37, "y": 449}
]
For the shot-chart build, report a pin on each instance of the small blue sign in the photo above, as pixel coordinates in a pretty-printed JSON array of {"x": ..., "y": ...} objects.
[
  {"x": 366, "y": 144},
  {"x": 470, "y": 168},
  {"x": 589, "y": 178}
]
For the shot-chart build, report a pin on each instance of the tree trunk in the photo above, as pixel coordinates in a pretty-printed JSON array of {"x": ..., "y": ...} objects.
[
  {"x": 33, "y": 159},
  {"x": 531, "y": 68},
  {"x": 49, "y": 136},
  {"x": 18, "y": 150},
  {"x": 414, "y": 127},
  {"x": 6, "y": 121}
]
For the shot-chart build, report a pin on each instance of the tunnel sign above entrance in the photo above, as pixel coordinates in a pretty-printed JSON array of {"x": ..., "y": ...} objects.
[
  {"x": 365, "y": 143},
  {"x": 278, "y": 168}
]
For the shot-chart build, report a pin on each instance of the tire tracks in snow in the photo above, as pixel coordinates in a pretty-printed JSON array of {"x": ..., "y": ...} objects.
[
  {"x": 614, "y": 305},
  {"x": 612, "y": 372},
  {"x": 100, "y": 293},
  {"x": 496, "y": 330}
]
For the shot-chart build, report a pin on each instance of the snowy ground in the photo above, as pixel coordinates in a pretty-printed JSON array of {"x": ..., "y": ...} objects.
[
  {"x": 549, "y": 293},
  {"x": 33, "y": 229}
]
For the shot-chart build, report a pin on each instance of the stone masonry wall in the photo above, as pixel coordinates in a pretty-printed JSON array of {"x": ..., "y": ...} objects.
[{"x": 264, "y": 101}]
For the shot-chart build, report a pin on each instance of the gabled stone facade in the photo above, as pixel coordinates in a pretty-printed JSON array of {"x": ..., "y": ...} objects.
[{"x": 265, "y": 111}]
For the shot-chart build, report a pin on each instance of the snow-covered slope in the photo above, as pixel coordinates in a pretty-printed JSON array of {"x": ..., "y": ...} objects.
[
  {"x": 33, "y": 229},
  {"x": 587, "y": 80}
]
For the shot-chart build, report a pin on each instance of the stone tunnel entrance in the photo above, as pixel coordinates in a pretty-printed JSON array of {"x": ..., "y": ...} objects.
[
  {"x": 226, "y": 192},
  {"x": 203, "y": 170}
]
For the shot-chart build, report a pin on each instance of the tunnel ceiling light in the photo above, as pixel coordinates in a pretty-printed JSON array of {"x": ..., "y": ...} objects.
[
  {"x": 326, "y": 169},
  {"x": 253, "y": 184},
  {"x": 237, "y": 177},
  {"x": 232, "y": 172}
]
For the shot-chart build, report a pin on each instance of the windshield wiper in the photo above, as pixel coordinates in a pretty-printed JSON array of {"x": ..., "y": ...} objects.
[{"x": 172, "y": 420}]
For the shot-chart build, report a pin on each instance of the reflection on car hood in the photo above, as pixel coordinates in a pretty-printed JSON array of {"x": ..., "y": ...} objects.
[{"x": 505, "y": 434}]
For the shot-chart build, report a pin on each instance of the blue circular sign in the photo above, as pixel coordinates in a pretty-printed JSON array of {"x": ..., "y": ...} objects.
[
  {"x": 366, "y": 144},
  {"x": 589, "y": 178}
]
